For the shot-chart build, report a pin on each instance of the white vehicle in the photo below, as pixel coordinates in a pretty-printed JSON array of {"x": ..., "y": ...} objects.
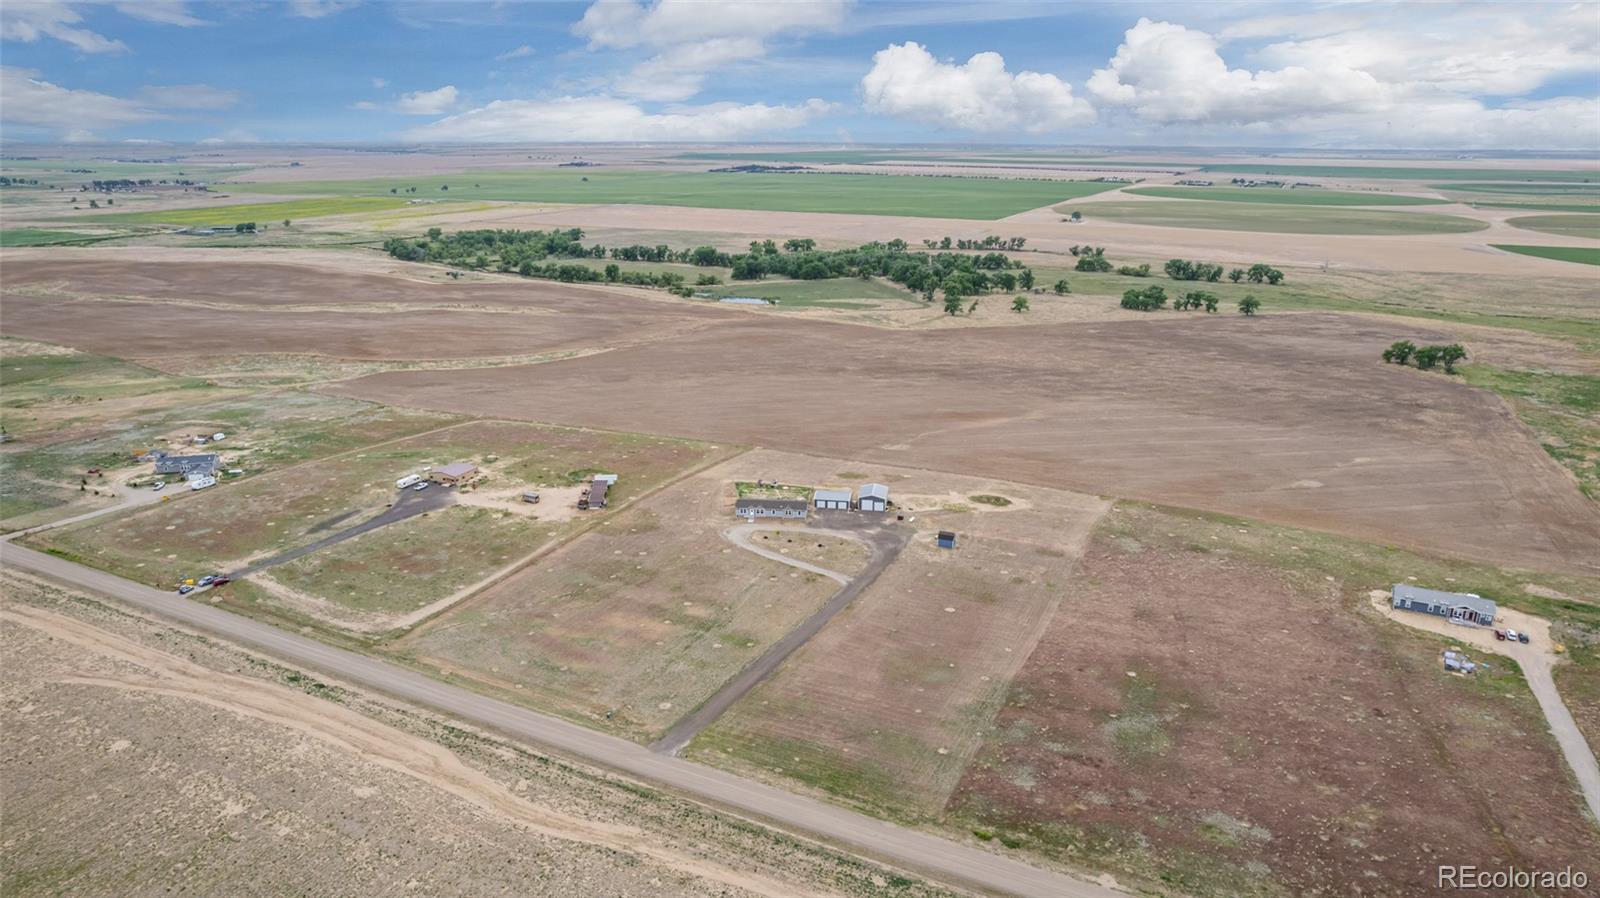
[
  {"x": 421, "y": 486},
  {"x": 160, "y": 484},
  {"x": 1511, "y": 635},
  {"x": 200, "y": 483},
  {"x": 218, "y": 437},
  {"x": 407, "y": 480}
]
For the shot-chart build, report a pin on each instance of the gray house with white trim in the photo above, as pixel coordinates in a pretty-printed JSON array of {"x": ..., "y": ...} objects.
[
  {"x": 1458, "y": 607},
  {"x": 203, "y": 465},
  {"x": 770, "y": 508},
  {"x": 873, "y": 497},
  {"x": 831, "y": 500}
]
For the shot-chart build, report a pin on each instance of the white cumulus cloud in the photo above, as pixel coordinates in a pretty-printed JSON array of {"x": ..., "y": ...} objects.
[
  {"x": 606, "y": 119},
  {"x": 515, "y": 53},
  {"x": 28, "y": 21},
  {"x": 428, "y": 102},
  {"x": 906, "y": 81},
  {"x": 165, "y": 12},
  {"x": 692, "y": 38},
  {"x": 32, "y": 101}
]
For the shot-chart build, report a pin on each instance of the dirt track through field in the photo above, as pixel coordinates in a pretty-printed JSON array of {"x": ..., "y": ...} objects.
[{"x": 1290, "y": 418}]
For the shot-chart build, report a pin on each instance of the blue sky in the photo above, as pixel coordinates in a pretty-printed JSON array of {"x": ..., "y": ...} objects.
[{"x": 835, "y": 71}]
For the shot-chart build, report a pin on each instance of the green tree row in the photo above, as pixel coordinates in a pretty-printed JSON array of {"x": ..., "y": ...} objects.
[{"x": 1426, "y": 357}]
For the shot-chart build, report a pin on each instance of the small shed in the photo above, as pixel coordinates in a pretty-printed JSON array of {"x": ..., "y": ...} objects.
[
  {"x": 1458, "y": 607},
  {"x": 530, "y": 497},
  {"x": 594, "y": 496},
  {"x": 947, "y": 539},
  {"x": 203, "y": 465},
  {"x": 873, "y": 497},
  {"x": 452, "y": 474},
  {"x": 831, "y": 500},
  {"x": 770, "y": 508}
]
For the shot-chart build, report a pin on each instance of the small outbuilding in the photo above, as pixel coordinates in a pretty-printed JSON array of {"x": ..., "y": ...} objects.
[
  {"x": 594, "y": 496},
  {"x": 770, "y": 508},
  {"x": 873, "y": 497},
  {"x": 203, "y": 465},
  {"x": 530, "y": 497},
  {"x": 450, "y": 475},
  {"x": 947, "y": 539},
  {"x": 1457, "y": 607},
  {"x": 831, "y": 500}
]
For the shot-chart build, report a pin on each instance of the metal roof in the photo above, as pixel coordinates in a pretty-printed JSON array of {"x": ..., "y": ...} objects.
[
  {"x": 874, "y": 491},
  {"x": 757, "y": 502},
  {"x": 183, "y": 464},
  {"x": 459, "y": 469},
  {"x": 1449, "y": 599},
  {"x": 831, "y": 496}
]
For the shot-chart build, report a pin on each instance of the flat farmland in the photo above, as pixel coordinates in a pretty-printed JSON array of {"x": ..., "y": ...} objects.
[
  {"x": 1329, "y": 437},
  {"x": 884, "y": 708},
  {"x": 1290, "y": 197},
  {"x": 971, "y": 198},
  {"x": 1202, "y": 654},
  {"x": 1582, "y": 255},
  {"x": 258, "y": 518},
  {"x": 1564, "y": 225},
  {"x": 631, "y": 625},
  {"x": 269, "y": 214},
  {"x": 1276, "y": 219}
]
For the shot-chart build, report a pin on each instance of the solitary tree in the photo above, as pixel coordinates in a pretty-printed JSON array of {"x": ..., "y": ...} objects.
[
  {"x": 1062, "y": 287},
  {"x": 286, "y": 222},
  {"x": 1020, "y": 304},
  {"x": 1077, "y": 216},
  {"x": 1249, "y": 305},
  {"x": 1400, "y": 352},
  {"x": 952, "y": 303}
]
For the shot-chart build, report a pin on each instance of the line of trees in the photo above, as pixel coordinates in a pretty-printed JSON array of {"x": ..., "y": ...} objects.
[
  {"x": 1426, "y": 357},
  {"x": 1013, "y": 244}
]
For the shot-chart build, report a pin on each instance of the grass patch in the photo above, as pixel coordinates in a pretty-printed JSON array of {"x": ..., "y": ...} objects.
[
  {"x": 987, "y": 499},
  {"x": 1536, "y": 207},
  {"x": 744, "y": 489},
  {"x": 1583, "y": 255},
  {"x": 263, "y": 213},
  {"x": 41, "y": 237},
  {"x": 1288, "y": 197},
  {"x": 970, "y": 198},
  {"x": 830, "y": 293},
  {"x": 1565, "y": 225},
  {"x": 1404, "y": 173},
  {"x": 1567, "y": 189},
  {"x": 1276, "y": 219},
  {"x": 1562, "y": 409}
]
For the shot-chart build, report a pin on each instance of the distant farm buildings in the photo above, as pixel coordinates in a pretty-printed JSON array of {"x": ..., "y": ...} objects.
[
  {"x": 770, "y": 508},
  {"x": 203, "y": 465},
  {"x": 594, "y": 495},
  {"x": 1194, "y": 182},
  {"x": 873, "y": 497},
  {"x": 452, "y": 474},
  {"x": 1457, "y": 607}
]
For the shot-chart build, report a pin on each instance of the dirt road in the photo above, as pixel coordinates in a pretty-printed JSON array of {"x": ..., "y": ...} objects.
[
  {"x": 884, "y": 541},
  {"x": 875, "y": 838}
]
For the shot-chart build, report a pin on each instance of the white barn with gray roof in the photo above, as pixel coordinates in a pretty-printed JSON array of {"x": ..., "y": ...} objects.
[
  {"x": 873, "y": 497},
  {"x": 1458, "y": 607},
  {"x": 831, "y": 500}
]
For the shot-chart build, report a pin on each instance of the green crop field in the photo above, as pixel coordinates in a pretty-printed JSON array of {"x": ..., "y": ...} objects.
[
  {"x": 1542, "y": 207},
  {"x": 264, "y": 213},
  {"x": 1403, "y": 173},
  {"x": 1279, "y": 196},
  {"x": 1565, "y": 225},
  {"x": 1584, "y": 255},
  {"x": 970, "y": 198},
  {"x": 1566, "y": 190},
  {"x": 38, "y": 237},
  {"x": 1276, "y": 219}
]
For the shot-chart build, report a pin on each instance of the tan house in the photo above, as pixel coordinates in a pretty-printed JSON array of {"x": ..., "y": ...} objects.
[{"x": 450, "y": 475}]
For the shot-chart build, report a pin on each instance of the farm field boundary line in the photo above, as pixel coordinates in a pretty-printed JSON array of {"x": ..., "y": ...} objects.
[{"x": 920, "y": 851}]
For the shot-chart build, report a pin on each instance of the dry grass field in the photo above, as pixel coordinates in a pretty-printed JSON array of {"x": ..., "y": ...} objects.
[
  {"x": 1222, "y": 714},
  {"x": 140, "y": 759},
  {"x": 634, "y": 623},
  {"x": 885, "y": 707}
]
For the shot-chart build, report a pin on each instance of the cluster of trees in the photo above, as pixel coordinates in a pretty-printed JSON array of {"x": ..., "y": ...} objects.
[
  {"x": 1062, "y": 287},
  {"x": 1256, "y": 274},
  {"x": 1091, "y": 258},
  {"x": 1153, "y": 297},
  {"x": 1426, "y": 357},
  {"x": 114, "y": 184},
  {"x": 245, "y": 227},
  {"x": 474, "y": 249},
  {"x": 6, "y": 181},
  {"x": 1013, "y": 244},
  {"x": 1184, "y": 270},
  {"x": 1135, "y": 271}
]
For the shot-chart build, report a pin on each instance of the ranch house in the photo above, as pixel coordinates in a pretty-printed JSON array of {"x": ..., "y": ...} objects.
[
  {"x": 831, "y": 500},
  {"x": 1459, "y": 607},
  {"x": 873, "y": 497},
  {"x": 770, "y": 508},
  {"x": 188, "y": 465},
  {"x": 450, "y": 475}
]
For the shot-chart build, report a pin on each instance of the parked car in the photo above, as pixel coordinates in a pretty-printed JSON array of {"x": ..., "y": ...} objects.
[
  {"x": 94, "y": 470},
  {"x": 420, "y": 487},
  {"x": 1512, "y": 634},
  {"x": 207, "y": 580},
  {"x": 221, "y": 581},
  {"x": 185, "y": 589},
  {"x": 1500, "y": 635},
  {"x": 1522, "y": 638},
  {"x": 159, "y": 485}
]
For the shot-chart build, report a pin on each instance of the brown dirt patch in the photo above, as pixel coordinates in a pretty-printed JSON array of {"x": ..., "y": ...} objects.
[{"x": 1231, "y": 728}]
